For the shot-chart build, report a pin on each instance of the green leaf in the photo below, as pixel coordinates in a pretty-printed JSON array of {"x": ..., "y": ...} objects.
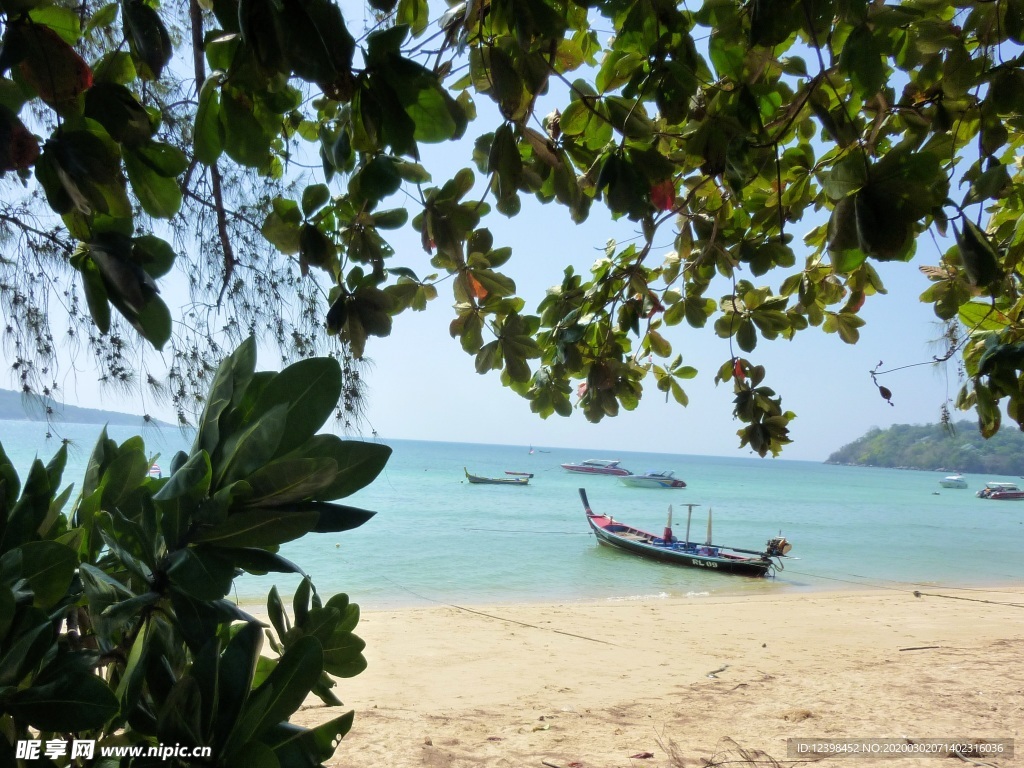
[
  {"x": 415, "y": 14},
  {"x": 318, "y": 743},
  {"x": 980, "y": 260},
  {"x": 246, "y": 451},
  {"x": 179, "y": 719},
  {"x": 847, "y": 176},
  {"x": 259, "y": 561},
  {"x": 376, "y": 180},
  {"x": 126, "y": 472},
  {"x": 234, "y": 372},
  {"x": 64, "y": 21},
  {"x": 180, "y": 494},
  {"x": 255, "y": 754},
  {"x": 258, "y": 528},
  {"x": 861, "y": 60},
  {"x": 983, "y": 317},
  {"x": 30, "y": 511},
  {"x": 27, "y": 647},
  {"x": 235, "y": 674},
  {"x": 290, "y": 480},
  {"x": 359, "y": 463},
  {"x": 159, "y": 195},
  {"x": 282, "y": 227},
  {"x": 49, "y": 568},
  {"x": 76, "y": 703},
  {"x": 130, "y": 685},
  {"x": 208, "y": 131},
  {"x": 245, "y": 139},
  {"x": 153, "y": 254},
  {"x": 148, "y": 41},
  {"x": 746, "y": 335},
  {"x": 283, "y": 691},
  {"x": 343, "y": 655},
  {"x": 335, "y": 518},
  {"x": 314, "y": 197},
  {"x": 115, "y": 108},
  {"x": 201, "y": 573}
]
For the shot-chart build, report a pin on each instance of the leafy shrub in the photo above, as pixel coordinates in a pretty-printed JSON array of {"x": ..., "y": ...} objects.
[{"x": 114, "y": 622}]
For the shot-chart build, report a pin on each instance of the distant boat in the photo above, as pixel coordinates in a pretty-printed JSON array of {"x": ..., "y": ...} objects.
[
  {"x": 524, "y": 479},
  {"x": 665, "y": 479},
  {"x": 597, "y": 467},
  {"x": 1001, "y": 492},
  {"x": 668, "y": 548},
  {"x": 953, "y": 481}
]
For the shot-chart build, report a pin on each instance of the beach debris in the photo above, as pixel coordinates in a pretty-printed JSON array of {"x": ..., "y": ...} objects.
[
  {"x": 642, "y": 756},
  {"x": 542, "y": 727},
  {"x": 427, "y": 741},
  {"x": 796, "y": 715},
  {"x": 714, "y": 672},
  {"x": 920, "y": 648},
  {"x": 495, "y": 738}
]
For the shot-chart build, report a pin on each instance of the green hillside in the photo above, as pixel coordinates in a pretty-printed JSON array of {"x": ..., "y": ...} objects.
[
  {"x": 933, "y": 446},
  {"x": 15, "y": 407}
]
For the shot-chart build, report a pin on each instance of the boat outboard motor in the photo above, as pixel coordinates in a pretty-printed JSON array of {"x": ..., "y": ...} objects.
[{"x": 778, "y": 547}]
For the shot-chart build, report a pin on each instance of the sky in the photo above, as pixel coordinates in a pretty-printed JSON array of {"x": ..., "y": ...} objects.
[{"x": 423, "y": 386}]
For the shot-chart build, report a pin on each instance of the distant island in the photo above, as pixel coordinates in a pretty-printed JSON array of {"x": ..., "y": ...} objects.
[
  {"x": 15, "y": 407},
  {"x": 959, "y": 448}
]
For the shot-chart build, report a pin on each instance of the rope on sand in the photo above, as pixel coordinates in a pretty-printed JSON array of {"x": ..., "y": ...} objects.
[{"x": 918, "y": 593}]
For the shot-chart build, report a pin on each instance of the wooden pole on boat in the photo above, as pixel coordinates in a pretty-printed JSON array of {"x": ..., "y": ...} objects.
[
  {"x": 709, "y": 527},
  {"x": 668, "y": 527},
  {"x": 689, "y": 515}
]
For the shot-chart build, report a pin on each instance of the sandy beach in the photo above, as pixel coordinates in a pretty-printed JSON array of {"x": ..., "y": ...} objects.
[{"x": 681, "y": 681}]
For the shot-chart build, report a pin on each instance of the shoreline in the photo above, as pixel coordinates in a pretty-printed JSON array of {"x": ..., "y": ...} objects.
[
  {"x": 256, "y": 604},
  {"x": 591, "y": 685}
]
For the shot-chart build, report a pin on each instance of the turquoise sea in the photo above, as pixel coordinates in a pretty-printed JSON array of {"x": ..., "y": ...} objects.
[{"x": 437, "y": 539}]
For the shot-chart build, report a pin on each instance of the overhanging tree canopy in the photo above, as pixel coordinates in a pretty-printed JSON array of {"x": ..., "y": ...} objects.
[{"x": 727, "y": 124}]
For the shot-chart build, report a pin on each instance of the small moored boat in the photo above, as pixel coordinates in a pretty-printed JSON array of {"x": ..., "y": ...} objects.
[
  {"x": 521, "y": 478},
  {"x": 1001, "y": 492},
  {"x": 953, "y": 481},
  {"x": 664, "y": 479},
  {"x": 668, "y": 548},
  {"x": 597, "y": 467}
]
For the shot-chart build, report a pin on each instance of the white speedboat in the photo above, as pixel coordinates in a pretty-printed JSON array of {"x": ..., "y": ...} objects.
[
  {"x": 664, "y": 479},
  {"x": 953, "y": 481}
]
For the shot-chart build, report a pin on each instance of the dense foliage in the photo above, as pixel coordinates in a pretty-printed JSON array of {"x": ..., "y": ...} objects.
[
  {"x": 953, "y": 447},
  {"x": 115, "y": 622},
  {"x": 730, "y": 128}
]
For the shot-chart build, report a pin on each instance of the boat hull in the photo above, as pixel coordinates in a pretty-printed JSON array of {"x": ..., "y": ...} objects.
[
  {"x": 498, "y": 480},
  {"x": 645, "y": 544},
  {"x": 651, "y": 482},
  {"x": 479, "y": 480},
  {"x": 587, "y": 470},
  {"x": 1001, "y": 492}
]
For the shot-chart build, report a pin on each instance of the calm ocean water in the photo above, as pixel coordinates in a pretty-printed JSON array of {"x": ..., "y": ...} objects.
[{"x": 436, "y": 538}]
